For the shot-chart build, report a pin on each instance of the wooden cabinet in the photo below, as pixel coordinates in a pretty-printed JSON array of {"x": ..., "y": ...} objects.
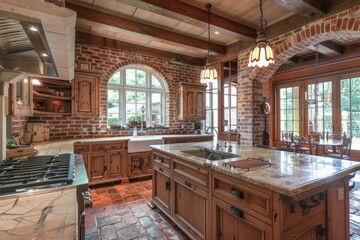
[
  {"x": 21, "y": 98},
  {"x": 139, "y": 164},
  {"x": 180, "y": 190},
  {"x": 191, "y": 99},
  {"x": 104, "y": 161},
  {"x": 86, "y": 94},
  {"x": 162, "y": 190},
  {"x": 230, "y": 222}
]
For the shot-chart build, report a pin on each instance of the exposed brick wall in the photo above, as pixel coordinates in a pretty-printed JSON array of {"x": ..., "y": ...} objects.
[
  {"x": 107, "y": 61},
  {"x": 18, "y": 125},
  {"x": 344, "y": 25}
]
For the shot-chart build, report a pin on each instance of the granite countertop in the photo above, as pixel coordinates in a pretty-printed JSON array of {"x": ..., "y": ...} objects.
[
  {"x": 67, "y": 146},
  {"x": 289, "y": 174}
]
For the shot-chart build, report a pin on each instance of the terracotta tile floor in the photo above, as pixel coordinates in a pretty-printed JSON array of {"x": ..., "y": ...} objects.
[{"x": 121, "y": 212}]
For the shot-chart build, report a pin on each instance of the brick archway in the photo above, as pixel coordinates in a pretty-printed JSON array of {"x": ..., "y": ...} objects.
[{"x": 344, "y": 25}]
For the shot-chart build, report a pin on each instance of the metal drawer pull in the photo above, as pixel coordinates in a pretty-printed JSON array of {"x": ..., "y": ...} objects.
[
  {"x": 237, "y": 212},
  {"x": 187, "y": 184},
  {"x": 237, "y": 193}
]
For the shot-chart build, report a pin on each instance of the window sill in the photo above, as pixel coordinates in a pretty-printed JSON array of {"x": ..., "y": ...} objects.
[{"x": 132, "y": 129}]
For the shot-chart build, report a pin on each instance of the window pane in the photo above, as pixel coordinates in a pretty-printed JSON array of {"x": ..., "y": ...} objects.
[
  {"x": 140, "y": 78},
  {"x": 130, "y": 96},
  {"x": 115, "y": 79},
  {"x": 130, "y": 77},
  {"x": 155, "y": 82},
  {"x": 350, "y": 110},
  {"x": 289, "y": 110}
]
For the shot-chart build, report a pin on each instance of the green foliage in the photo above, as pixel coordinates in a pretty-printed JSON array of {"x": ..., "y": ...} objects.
[
  {"x": 133, "y": 118},
  {"x": 113, "y": 120}
]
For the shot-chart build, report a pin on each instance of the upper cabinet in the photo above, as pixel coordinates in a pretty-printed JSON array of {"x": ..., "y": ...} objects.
[
  {"x": 86, "y": 94},
  {"x": 190, "y": 99},
  {"x": 20, "y": 98}
]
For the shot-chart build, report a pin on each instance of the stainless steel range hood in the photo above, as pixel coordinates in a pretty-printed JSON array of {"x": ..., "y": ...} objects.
[
  {"x": 24, "y": 47},
  {"x": 36, "y": 38}
]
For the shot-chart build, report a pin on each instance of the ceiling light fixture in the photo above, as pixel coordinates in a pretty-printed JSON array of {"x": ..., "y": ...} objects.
[
  {"x": 262, "y": 55},
  {"x": 34, "y": 29},
  {"x": 44, "y": 55},
  {"x": 209, "y": 73},
  {"x": 36, "y": 82}
]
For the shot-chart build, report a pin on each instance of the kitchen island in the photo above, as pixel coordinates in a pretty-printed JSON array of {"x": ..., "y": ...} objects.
[{"x": 285, "y": 196}]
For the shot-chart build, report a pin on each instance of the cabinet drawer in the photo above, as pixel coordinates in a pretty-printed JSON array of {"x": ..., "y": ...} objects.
[
  {"x": 161, "y": 160},
  {"x": 79, "y": 148},
  {"x": 108, "y": 146},
  {"x": 296, "y": 212},
  {"x": 194, "y": 174},
  {"x": 244, "y": 196}
]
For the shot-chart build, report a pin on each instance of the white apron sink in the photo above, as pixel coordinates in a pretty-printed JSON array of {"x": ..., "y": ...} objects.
[{"x": 142, "y": 143}]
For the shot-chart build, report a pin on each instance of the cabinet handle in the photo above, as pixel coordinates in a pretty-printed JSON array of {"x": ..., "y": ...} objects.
[
  {"x": 237, "y": 193},
  {"x": 167, "y": 185},
  {"x": 113, "y": 146},
  {"x": 237, "y": 212},
  {"x": 161, "y": 170},
  {"x": 105, "y": 168},
  {"x": 101, "y": 147},
  {"x": 187, "y": 184}
]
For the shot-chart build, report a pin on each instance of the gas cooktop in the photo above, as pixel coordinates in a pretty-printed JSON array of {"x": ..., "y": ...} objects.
[{"x": 17, "y": 175}]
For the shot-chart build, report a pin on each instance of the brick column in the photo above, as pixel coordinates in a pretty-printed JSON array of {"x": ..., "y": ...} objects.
[{"x": 251, "y": 119}]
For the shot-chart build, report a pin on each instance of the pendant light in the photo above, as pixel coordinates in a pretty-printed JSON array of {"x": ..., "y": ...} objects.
[
  {"x": 209, "y": 73},
  {"x": 262, "y": 55}
]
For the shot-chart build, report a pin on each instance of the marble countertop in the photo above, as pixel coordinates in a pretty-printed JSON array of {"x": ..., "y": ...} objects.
[{"x": 290, "y": 173}]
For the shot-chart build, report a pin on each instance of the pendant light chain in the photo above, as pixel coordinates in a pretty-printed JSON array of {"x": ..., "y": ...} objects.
[{"x": 208, "y": 6}]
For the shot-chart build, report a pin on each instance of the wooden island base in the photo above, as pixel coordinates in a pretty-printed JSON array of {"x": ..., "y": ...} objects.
[{"x": 207, "y": 204}]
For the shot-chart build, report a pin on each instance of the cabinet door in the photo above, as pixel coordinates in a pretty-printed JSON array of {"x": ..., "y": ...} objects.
[
  {"x": 97, "y": 163},
  {"x": 313, "y": 228},
  {"x": 115, "y": 159},
  {"x": 161, "y": 188},
  {"x": 190, "y": 204},
  {"x": 231, "y": 223},
  {"x": 200, "y": 105},
  {"x": 86, "y": 95},
  {"x": 135, "y": 164}
]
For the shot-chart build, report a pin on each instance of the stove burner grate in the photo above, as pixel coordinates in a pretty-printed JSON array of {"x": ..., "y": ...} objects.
[{"x": 36, "y": 171}]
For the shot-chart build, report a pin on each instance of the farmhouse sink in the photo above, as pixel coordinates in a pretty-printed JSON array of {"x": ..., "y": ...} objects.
[
  {"x": 142, "y": 143},
  {"x": 210, "y": 154}
]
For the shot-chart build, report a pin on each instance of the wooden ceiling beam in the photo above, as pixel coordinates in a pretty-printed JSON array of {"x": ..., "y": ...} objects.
[
  {"x": 330, "y": 48},
  {"x": 127, "y": 24},
  {"x": 309, "y": 8},
  {"x": 183, "y": 11},
  {"x": 87, "y": 38}
]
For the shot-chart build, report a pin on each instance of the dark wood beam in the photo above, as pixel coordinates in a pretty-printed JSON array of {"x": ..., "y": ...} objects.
[
  {"x": 309, "y": 8},
  {"x": 87, "y": 38},
  {"x": 330, "y": 48},
  {"x": 127, "y": 24},
  {"x": 183, "y": 11}
]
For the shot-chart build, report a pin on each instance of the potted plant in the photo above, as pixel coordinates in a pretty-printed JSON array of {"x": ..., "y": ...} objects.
[{"x": 135, "y": 121}]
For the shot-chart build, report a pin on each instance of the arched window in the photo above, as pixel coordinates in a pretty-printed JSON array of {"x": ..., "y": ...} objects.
[{"x": 136, "y": 93}]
